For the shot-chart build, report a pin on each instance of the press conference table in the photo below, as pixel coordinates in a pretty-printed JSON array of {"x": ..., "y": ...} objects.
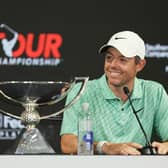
[{"x": 74, "y": 161}]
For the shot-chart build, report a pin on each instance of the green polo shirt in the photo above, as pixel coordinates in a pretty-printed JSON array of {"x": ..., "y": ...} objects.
[{"x": 114, "y": 120}]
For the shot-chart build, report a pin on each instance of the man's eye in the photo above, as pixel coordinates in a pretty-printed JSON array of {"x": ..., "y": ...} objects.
[
  {"x": 123, "y": 60},
  {"x": 108, "y": 57}
]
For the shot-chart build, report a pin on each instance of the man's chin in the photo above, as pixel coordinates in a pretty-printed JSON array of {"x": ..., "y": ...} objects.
[{"x": 115, "y": 84}]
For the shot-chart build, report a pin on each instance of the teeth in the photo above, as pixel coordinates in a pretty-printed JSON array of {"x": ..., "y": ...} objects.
[{"x": 115, "y": 73}]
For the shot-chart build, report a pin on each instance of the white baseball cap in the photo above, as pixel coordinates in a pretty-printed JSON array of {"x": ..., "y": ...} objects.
[{"x": 128, "y": 43}]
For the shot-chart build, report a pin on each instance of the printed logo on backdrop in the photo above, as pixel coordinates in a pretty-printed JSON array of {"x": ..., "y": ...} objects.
[
  {"x": 29, "y": 49},
  {"x": 157, "y": 51},
  {"x": 10, "y": 128}
]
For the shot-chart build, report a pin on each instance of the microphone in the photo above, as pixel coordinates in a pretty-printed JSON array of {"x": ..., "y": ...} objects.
[{"x": 148, "y": 149}]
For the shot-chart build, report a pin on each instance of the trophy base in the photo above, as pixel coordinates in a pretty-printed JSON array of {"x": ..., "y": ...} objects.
[
  {"x": 148, "y": 150},
  {"x": 32, "y": 142}
]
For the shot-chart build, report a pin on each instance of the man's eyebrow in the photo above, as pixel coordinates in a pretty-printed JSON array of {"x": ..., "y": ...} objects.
[
  {"x": 108, "y": 52},
  {"x": 123, "y": 56}
]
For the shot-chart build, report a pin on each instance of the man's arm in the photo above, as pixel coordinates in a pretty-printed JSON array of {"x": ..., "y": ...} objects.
[
  {"x": 162, "y": 148},
  {"x": 69, "y": 144},
  {"x": 129, "y": 148}
]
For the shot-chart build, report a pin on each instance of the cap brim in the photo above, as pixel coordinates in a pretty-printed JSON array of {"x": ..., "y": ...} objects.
[{"x": 104, "y": 48}]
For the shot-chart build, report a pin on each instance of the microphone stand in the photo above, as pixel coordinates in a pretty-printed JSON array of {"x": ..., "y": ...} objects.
[{"x": 148, "y": 149}]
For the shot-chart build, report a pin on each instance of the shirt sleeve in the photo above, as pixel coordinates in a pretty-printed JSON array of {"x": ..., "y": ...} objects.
[
  {"x": 70, "y": 116},
  {"x": 161, "y": 120}
]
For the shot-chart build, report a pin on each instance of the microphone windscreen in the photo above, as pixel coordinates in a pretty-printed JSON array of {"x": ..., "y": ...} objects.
[{"x": 126, "y": 90}]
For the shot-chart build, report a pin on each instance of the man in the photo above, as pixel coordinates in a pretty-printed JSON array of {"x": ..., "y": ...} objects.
[{"x": 116, "y": 130}]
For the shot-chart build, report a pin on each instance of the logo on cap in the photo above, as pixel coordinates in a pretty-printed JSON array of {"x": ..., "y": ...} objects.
[{"x": 117, "y": 38}]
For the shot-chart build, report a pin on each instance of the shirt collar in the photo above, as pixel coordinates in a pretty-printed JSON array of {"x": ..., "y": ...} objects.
[
  {"x": 108, "y": 94},
  {"x": 106, "y": 91},
  {"x": 137, "y": 90}
]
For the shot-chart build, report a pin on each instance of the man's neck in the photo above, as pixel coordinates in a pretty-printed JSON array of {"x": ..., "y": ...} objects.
[{"x": 118, "y": 91}]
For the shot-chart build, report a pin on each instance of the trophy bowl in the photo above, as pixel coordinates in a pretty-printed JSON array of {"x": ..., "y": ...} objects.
[{"x": 32, "y": 95}]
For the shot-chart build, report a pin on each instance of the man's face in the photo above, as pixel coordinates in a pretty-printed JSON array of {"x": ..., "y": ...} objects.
[{"x": 120, "y": 70}]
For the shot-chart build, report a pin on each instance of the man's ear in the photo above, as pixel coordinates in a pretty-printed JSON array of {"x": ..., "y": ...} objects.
[{"x": 141, "y": 64}]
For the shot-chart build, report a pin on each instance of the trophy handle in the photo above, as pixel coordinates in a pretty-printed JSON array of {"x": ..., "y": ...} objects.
[
  {"x": 7, "y": 113},
  {"x": 10, "y": 98},
  {"x": 85, "y": 79},
  {"x": 11, "y": 115},
  {"x": 63, "y": 95}
]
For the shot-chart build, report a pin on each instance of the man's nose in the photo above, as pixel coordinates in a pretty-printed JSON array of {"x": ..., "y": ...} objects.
[{"x": 114, "y": 62}]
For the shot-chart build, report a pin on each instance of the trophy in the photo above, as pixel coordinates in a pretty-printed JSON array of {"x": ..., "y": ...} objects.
[{"x": 32, "y": 95}]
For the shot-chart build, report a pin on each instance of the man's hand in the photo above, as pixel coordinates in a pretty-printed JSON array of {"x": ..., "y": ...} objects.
[
  {"x": 162, "y": 148},
  {"x": 121, "y": 148}
]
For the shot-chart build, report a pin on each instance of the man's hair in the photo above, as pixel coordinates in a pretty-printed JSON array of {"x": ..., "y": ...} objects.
[{"x": 137, "y": 59}]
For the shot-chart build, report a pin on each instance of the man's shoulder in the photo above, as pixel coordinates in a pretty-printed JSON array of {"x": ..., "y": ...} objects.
[
  {"x": 90, "y": 85},
  {"x": 92, "y": 82},
  {"x": 96, "y": 83},
  {"x": 150, "y": 84}
]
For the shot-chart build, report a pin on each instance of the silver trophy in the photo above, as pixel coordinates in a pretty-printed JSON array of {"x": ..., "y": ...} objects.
[{"x": 32, "y": 95}]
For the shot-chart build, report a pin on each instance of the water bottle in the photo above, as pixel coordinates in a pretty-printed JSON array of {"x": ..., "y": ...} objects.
[{"x": 85, "y": 133}]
